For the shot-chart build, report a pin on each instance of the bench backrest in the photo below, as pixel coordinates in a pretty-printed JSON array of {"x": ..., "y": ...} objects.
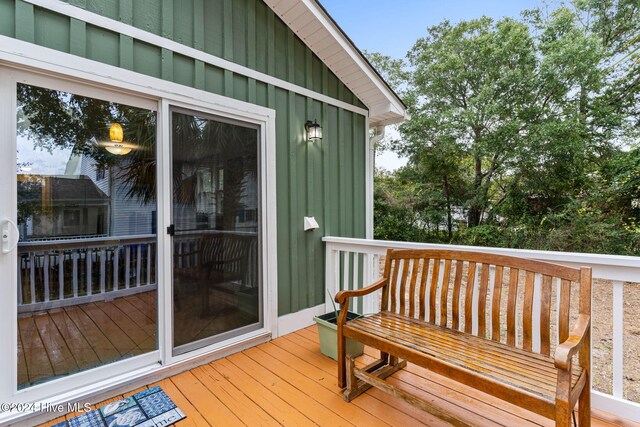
[{"x": 492, "y": 296}]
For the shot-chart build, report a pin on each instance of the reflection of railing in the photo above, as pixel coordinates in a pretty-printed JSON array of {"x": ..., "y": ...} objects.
[
  {"x": 67, "y": 272},
  {"x": 187, "y": 251},
  {"x": 353, "y": 263}
]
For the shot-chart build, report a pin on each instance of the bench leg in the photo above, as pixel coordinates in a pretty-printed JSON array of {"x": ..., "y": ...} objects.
[
  {"x": 380, "y": 369},
  {"x": 563, "y": 399},
  {"x": 584, "y": 405},
  {"x": 342, "y": 361}
]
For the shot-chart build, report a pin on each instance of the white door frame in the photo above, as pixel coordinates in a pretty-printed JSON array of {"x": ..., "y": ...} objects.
[{"x": 44, "y": 67}]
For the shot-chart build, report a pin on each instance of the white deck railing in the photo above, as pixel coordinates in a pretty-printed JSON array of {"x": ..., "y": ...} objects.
[
  {"x": 59, "y": 273},
  {"x": 353, "y": 263}
]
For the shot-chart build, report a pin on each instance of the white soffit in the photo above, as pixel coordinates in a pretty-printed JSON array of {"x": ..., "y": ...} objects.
[{"x": 317, "y": 29}]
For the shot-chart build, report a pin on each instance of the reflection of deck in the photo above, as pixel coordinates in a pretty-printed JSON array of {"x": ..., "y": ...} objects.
[
  {"x": 67, "y": 340},
  {"x": 288, "y": 382}
]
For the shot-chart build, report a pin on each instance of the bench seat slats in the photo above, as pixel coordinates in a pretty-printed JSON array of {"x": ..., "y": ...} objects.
[{"x": 478, "y": 356}]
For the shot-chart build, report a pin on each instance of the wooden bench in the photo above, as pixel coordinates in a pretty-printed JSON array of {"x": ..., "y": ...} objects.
[{"x": 458, "y": 314}]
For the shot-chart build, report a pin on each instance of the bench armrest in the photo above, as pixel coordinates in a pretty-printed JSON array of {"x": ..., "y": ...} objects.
[
  {"x": 343, "y": 296},
  {"x": 567, "y": 349}
]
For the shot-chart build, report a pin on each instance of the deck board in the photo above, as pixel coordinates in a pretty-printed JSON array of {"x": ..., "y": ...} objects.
[{"x": 288, "y": 382}]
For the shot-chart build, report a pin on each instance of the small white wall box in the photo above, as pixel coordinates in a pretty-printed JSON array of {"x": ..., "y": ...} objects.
[{"x": 310, "y": 223}]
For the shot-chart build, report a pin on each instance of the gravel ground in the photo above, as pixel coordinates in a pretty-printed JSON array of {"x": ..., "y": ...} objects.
[{"x": 602, "y": 339}]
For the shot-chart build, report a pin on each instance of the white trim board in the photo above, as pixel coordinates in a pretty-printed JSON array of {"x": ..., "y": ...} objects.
[
  {"x": 162, "y": 42},
  {"x": 299, "y": 320}
]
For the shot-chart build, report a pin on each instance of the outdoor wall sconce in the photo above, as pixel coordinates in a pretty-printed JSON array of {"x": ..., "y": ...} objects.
[
  {"x": 116, "y": 146},
  {"x": 314, "y": 131}
]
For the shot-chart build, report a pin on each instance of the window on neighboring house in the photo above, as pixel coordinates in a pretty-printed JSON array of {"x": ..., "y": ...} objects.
[{"x": 101, "y": 173}]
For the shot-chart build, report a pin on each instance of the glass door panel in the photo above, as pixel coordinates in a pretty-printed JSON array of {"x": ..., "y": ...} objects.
[
  {"x": 87, "y": 219},
  {"x": 217, "y": 291}
]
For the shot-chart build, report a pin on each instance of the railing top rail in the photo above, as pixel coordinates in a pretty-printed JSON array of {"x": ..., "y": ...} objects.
[
  {"x": 614, "y": 267},
  {"x": 44, "y": 245}
]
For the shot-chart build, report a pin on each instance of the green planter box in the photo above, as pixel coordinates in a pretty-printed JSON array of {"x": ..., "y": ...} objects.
[{"x": 328, "y": 332}]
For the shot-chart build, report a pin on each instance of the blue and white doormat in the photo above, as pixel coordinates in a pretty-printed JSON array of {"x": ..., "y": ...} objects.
[{"x": 148, "y": 408}]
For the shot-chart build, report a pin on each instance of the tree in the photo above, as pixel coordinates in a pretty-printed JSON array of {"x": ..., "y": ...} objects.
[{"x": 532, "y": 119}]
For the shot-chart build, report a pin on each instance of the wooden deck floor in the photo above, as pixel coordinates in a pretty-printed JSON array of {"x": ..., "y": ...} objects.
[
  {"x": 58, "y": 342},
  {"x": 288, "y": 382}
]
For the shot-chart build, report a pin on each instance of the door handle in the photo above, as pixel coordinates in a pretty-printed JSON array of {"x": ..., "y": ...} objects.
[{"x": 5, "y": 236}]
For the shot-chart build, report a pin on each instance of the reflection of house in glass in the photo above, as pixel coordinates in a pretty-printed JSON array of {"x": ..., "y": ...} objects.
[
  {"x": 87, "y": 201},
  {"x": 62, "y": 207}
]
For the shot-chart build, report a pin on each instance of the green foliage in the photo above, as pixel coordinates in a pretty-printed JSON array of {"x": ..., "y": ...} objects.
[{"x": 521, "y": 132}]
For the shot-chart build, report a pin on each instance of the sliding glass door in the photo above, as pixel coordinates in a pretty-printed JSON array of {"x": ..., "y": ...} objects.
[
  {"x": 86, "y": 221},
  {"x": 217, "y": 292}
]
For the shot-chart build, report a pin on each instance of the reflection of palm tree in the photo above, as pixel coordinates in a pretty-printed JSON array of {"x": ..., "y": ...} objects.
[
  {"x": 59, "y": 120},
  {"x": 201, "y": 143}
]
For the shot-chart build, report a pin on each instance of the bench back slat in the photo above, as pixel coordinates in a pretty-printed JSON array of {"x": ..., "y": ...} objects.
[
  {"x": 511, "y": 307},
  {"x": 482, "y": 300},
  {"x": 495, "y": 304},
  {"x": 423, "y": 288},
  {"x": 455, "y": 304},
  {"x": 396, "y": 267},
  {"x": 433, "y": 290},
  {"x": 468, "y": 300},
  {"x": 527, "y": 311},
  {"x": 522, "y": 303},
  {"x": 445, "y": 292},
  {"x": 412, "y": 287},
  {"x": 545, "y": 313},
  {"x": 563, "y": 311}
]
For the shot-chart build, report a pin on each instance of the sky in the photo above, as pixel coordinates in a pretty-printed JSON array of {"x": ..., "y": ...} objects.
[{"x": 391, "y": 27}]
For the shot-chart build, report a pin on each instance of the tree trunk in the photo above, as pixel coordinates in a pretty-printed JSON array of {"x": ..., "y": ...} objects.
[
  {"x": 447, "y": 195},
  {"x": 475, "y": 209}
]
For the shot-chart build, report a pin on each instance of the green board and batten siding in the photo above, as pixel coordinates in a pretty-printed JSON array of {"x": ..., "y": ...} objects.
[{"x": 326, "y": 180}]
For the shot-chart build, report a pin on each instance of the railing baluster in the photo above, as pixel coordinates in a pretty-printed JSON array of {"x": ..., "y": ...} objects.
[
  {"x": 356, "y": 258},
  {"x": 618, "y": 338},
  {"x": 149, "y": 263},
  {"x": 75, "y": 273},
  {"x": 103, "y": 270},
  {"x": 89, "y": 260},
  {"x": 32, "y": 276},
  {"x": 345, "y": 271},
  {"x": 127, "y": 266},
  {"x": 116, "y": 267},
  {"x": 138, "y": 265},
  {"x": 61, "y": 275},
  {"x": 46, "y": 277}
]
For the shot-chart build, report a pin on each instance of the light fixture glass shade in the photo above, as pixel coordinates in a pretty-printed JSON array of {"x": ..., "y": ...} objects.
[
  {"x": 117, "y": 149},
  {"x": 115, "y": 133},
  {"x": 314, "y": 131}
]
